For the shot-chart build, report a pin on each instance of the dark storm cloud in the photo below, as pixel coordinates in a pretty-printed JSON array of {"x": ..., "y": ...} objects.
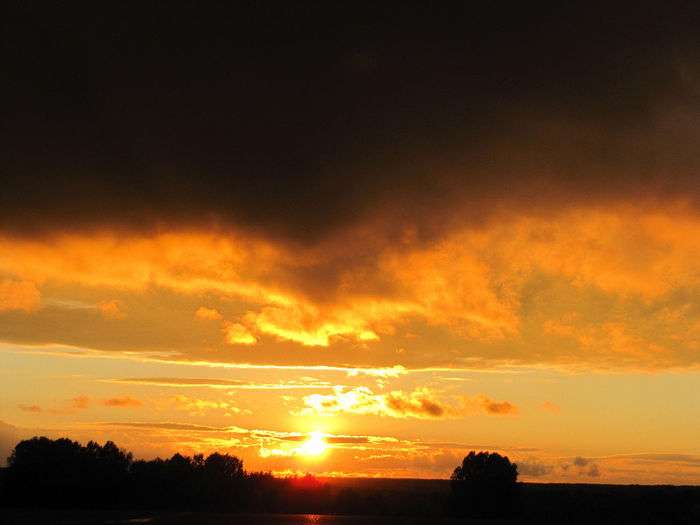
[{"x": 296, "y": 121}]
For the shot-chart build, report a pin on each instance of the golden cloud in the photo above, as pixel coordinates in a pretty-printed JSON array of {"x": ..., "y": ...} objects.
[
  {"x": 551, "y": 407},
  {"x": 306, "y": 325},
  {"x": 584, "y": 287},
  {"x": 122, "y": 402},
  {"x": 362, "y": 400},
  {"x": 237, "y": 334},
  {"x": 111, "y": 309},
  {"x": 18, "y": 295},
  {"x": 225, "y": 384},
  {"x": 422, "y": 403},
  {"x": 209, "y": 314},
  {"x": 497, "y": 407},
  {"x": 70, "y": 406},
  {"x": 80, "y": 402},
  {"x": 196, "y": 406},
  {"x": 30, "y": 408}
]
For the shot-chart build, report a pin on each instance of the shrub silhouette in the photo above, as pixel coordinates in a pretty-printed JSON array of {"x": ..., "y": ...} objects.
[{"x": 484, "y": 485}]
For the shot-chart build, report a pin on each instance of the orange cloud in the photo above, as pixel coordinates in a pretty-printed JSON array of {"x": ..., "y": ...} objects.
[
  {"x": 306, "y": 325},
  {"x": 19, "y": 295},
  {"x": 227, "y": 384},
  {"x": 30, "y": 408},
  {"x": 80, "y": 402},
  {"x": 548, "y": 406},
  {"x": 422, "y": 403},
  {"x": 197, "y": 406},
  {"x": 182, "y": 261},
  {"x": 77, "y": 403},
  {"x": 208, "y": 314},
  {"x": 111, "y": 310},
  {"x": 237, "y": 334},
  {"x": 497, "y": 407},
  {"x": 491, "y": 293},
  {"x": 361, "y": 400},
  {"x": 122, "y": 402}
]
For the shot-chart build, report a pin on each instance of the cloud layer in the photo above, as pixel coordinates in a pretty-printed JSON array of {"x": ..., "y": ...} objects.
[
  {"x": 420, "y": 404},
  {"x": 523, "y": 111},
  {"x": 591, "y": 288},
  {"x": 536, "y": 202}
]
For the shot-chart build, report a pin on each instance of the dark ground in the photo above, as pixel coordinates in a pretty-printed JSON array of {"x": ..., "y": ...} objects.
[{"x": 419, "y": 502}]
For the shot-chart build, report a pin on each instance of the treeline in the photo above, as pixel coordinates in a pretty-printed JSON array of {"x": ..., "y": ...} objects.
[
  {"x": 45, "y": 473},
  {"x": 64, "y": 474}
]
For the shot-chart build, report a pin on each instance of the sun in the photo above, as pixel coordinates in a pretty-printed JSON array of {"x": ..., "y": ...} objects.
[{"x": 315, "y": 445}]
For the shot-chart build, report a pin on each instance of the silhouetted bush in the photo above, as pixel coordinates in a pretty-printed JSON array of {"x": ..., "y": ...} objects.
[{"x": 484, "y": 485}]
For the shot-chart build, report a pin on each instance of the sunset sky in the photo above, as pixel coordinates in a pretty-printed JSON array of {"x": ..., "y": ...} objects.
[{"x": 356, "y": 241}]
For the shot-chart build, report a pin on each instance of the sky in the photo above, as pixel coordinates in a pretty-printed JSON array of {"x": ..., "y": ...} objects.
[{"x": 353, "y": 240}]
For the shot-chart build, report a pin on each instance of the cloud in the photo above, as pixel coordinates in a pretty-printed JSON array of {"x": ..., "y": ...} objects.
[
  {"x": 593, "y": 471},
  {"x": 227, "y": 384},
  {"x": 196, "y": 406},
  {"x": 111, "y": 309},
  {"x": 237, "y": 334},
  {"x": 418, "y": 404},
  {"x": 77, "y": 403},
  {"x": 469, "y": 291},
  {"x": 477, "y": 235},
  {"x": 19, "y": 295},
  {"x": 534, "y": 468},
  {"x": 304, "y": 324},
  {"x": 422, "y": 403},
  {"x": 549, "y": 406},
  {"x": 167, "y": 426},
  {"x": 581, "y": 462},
  {"x": 30, "y": 408},
  {"x": 383, "y": 373},
  {"x": 688, "y": 459},
  {"x": 550, "y": 145},
  {"x": 122, "y": 402},
  {"x": 584, "y": 467},
  {"x": 185, "y": 382},
  {"x": 208, "y": 314},
  {"x": 497, "y": 407},
  {"x": 361, "y": 400},
  {"x": 256, "y": 437},
  {"x": 80, "y": 402},
  {"x": 471, "y": 287},
  {"x": 432, "y": 463}
]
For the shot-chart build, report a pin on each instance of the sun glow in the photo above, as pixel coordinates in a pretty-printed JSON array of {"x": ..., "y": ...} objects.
[{"x": 315, "y": 445}]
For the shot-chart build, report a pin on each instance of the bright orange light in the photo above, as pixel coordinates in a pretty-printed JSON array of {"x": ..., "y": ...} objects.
[{"x": 315, "y": 445}]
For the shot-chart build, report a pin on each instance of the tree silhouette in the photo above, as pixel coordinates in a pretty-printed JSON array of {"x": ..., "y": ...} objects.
[
  {"x": 57, "y": 471},
  {"x": 484, "y": 485},
  {"x": 223, "y": 480}
]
